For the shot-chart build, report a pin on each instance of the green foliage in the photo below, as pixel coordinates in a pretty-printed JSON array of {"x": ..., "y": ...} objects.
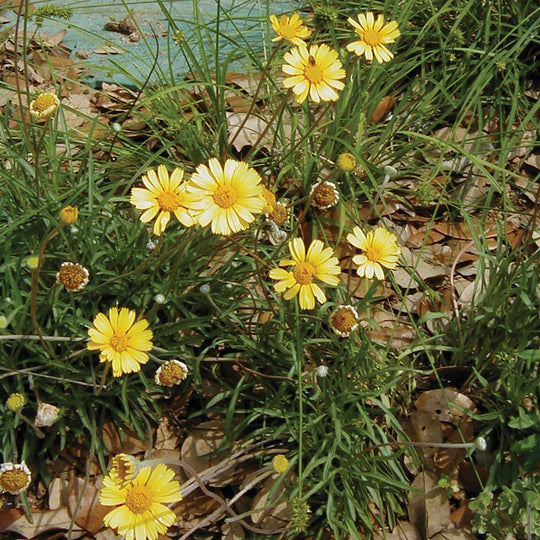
[{"x": 255, "y": 359}]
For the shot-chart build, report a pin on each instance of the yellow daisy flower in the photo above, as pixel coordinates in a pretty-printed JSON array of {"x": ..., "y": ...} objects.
[
  {"x": 315, "y": 72},
  {"x": 228, "y": 197},
  {"x": 380, "y": 249},
  {"x": 290, "y": 29},
  {"x": 161, "y": 195},
  {"x": 140, "y": 511},
  {"x": 319, "y": 262},
  {"x": 121, "y": 340},
  {"x": 374, "y": 35}
]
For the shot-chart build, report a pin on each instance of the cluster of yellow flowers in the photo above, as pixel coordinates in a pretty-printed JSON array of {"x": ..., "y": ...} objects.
[
  {"x": 316, "y": 70},
  {"x": 139, "y": 494}
]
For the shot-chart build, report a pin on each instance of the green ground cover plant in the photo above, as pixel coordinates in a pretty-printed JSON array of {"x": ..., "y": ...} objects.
[{"x": 296, "y": 287}]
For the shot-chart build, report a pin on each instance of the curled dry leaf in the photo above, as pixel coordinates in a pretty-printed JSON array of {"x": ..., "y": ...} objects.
[{"x": 384, "y": 107}]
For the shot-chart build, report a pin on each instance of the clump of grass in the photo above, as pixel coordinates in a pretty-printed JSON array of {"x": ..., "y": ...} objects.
[{"x": 231, "y": 292}]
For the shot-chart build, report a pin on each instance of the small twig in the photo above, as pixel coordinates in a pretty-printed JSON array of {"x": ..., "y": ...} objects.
[{"x": 224, "y": 505}]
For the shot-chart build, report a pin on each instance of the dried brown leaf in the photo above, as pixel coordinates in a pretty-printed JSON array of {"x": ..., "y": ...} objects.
[
  {"x": 42, "y": 522},
  {"x": 428, "y": 506},
  {"x": 90, "y": 512}
]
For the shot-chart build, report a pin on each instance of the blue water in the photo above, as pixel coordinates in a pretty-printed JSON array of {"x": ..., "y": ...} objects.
[{"x": 244, "y": 22}]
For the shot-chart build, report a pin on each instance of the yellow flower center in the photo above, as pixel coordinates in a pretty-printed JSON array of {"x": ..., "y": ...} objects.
[
  {"x": 313, "y": 73},
  {"x": 139, "y": 499},
  {"x": 119, "y": 343},
  {"x": 288, "y": 31},
  {"x": 168, "y": 201},
  {"x": 15, "y": 402},
  {"x": 43, "y": 102},
  {"x": 13, "y": 480},
  {"x": 225, "y": 196},
  {"x": 303, "y": 273},
  {"x": 373, "y": 254},
  {"x": 372, "y": 37}
]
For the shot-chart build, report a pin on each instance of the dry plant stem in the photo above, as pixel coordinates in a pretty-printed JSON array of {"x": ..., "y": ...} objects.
[
  {"x": 224, "y": 507},
  {"x": 103, "y": 378},
  {"x": 249, "y": 252},
  {"x": 33, "y": 289},
  {"x": 31, "y": 337},
  {"x": 255, "y": 95},
  {"x": 24, "y": 418},
  {"x": 452, "y": 288}
]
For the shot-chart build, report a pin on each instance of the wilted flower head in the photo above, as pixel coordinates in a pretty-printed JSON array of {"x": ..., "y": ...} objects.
[
  {"x": 69, "y": 214},
  {"x": 324, "y": 195},
  {"x": 123, "y": 468},
  {"x": 73, "y": 276},
  {"x": 269, "y": 200},
  {"x": 171, "y": 373},
  {"x": 14, "y": 477},
  {"x": 15, "y": 402},
  {"x": 344, "y": 320},
  {"x": 279, "y": 214},
  {"x": 46, "y": 415},
  {"x": 280, "y": 463},
  {"x": 346, "y": 162},
  {"x": 44, "y": 106},
  {"x": 291, "y": 29}
]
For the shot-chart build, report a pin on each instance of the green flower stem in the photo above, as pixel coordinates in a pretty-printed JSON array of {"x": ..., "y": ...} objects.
[{"x": 299, "y": 358}]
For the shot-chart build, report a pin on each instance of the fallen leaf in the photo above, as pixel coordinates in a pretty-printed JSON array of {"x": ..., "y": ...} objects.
[
  {"x": 428, "y": 506},
  {"x": 447, "y": 404},
  {"x": 404, "y": 530},
  {"x": 89, "y": 513},
  {"x": 454, "y": 534},
  {"x": 43, "y": 521}
]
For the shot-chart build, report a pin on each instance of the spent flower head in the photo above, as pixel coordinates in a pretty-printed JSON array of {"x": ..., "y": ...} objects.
[
  {"x": 318, "y": 263},
  {"x": 315, "y": 72},
  {"x": 120, "y": 340},
  {"x": 46, "y": 415},
  {"x": 228, "y": 197},
  {"x": 374, "y": 35},
  {"x": 140, "y": 511},
  {"x": 380, "y": 249},
  {"x": 15, "y": 402},
  {"x": 290, "y": 29},
  {"x": 171, "y": 373},
  {"x": 324, "y": 195},
  {"x": 14, "y": 477},
  {"x": 44, "y": 106},
  {"x": 344, "y": 320},
  {"x": 161, "y": 196},
  {"x": 73, "y": 276}
]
